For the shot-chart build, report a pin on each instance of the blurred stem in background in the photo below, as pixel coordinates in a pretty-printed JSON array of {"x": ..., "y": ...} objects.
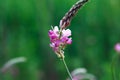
[
  {"x": 9, "y": 64},
  {"x": 115, "y": 66}
]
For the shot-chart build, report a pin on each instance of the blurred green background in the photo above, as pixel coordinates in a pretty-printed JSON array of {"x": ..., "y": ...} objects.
[{"x": 24, "y": 26}]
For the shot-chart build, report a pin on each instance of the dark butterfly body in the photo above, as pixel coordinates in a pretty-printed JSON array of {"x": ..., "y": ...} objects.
[{"x": 65, "y": 21}]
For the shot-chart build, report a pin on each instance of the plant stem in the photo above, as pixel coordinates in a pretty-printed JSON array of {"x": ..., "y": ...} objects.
[
  {"x": 67, "y": 69},
  {"x": 113, "y": 67}
]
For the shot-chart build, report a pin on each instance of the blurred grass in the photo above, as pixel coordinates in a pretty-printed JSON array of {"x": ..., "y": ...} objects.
[{"x": 24, "y": 26}]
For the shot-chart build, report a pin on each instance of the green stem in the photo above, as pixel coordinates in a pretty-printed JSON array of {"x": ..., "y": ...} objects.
[
  {"x": 60, "y": 33},
  {"x": 112, "y": 67},
  {"x": 67, "y": 69}
]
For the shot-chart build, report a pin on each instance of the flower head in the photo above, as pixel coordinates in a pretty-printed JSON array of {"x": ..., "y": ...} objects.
[
  {"x": 59, "y": 39},
  {"x": 117, "y": 47}
]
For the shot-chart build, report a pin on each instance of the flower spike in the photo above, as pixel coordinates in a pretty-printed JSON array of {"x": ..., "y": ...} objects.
[{"x": 65, "y": 21}]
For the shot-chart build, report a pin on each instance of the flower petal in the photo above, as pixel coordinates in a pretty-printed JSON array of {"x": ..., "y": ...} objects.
[
  {"x": 66, "y": 32},
  {"x": 117, "y": 47},
  {"x": 56, "y": 29},
  {"x": 69, "y": 41}
]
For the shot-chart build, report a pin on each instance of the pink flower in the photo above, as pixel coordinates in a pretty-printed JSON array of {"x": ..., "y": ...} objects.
[
  {"x": 69, "y": 41},
  {"x": 117, "y": 47},
  {"x": 66, "y": 32},
  {"x": 59, "y": 39}
]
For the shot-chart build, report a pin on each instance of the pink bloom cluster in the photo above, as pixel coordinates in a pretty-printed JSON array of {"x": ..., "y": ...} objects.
[
  {"x": 59, "y": 39},
  {"x": 117, "y": 47}
]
